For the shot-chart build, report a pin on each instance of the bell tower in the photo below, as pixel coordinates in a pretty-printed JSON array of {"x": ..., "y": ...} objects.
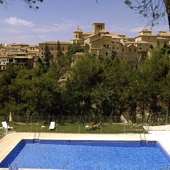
[
  {"x": 78, "y": 36},
  {"x": 97, "y": 27}
]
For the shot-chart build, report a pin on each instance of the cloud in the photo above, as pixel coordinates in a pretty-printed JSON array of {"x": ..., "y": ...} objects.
[
  {"x": 42, "y": 37},
  {"x": 128, "y": 30},
  {"x": 117, "y": 29},
  {"x": 67, "y": 23},
  {"x": 18, "y": 22},
  {"x": 137, "y": 29},
  {"x": 45, "y": 29},
  {"x": 11, "y": 31},
  {"x": 54, "y": 28}
]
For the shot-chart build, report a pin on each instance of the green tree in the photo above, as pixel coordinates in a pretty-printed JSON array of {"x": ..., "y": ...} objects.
[
  {"x": 72, "y": 49},
  {"x": 11, "y": 94},
  {"x": 154, "y": 73},
  {"x": 47, "y": 57},
  {"x": 59, "y": 50},
  {"x": 166, "y": 49},
  {"x": 115, "y": 84},
  {"x": 86, "y": 48},
  {"x": 83, "y": 78},
  {"x": 38, "y": 94}
]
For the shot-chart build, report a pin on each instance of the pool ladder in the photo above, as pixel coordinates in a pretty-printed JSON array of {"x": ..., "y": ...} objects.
[
  {"x": 15, "y": 167},
  {"x": 165, "y": 168},
  {"x": 98, "y": 167},
  {"x": 65, "y": 163},
  {"x": 143, "y": 140},
  {"x": 36, "y": 137}
]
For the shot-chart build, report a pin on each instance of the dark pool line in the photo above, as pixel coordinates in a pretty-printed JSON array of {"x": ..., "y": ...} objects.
[
  {"x": 112, "y": 143},
  {"x": 13, "y": 154}
]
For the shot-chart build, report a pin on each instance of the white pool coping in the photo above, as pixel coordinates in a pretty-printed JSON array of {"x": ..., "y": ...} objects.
[{"x": 9, "y": 141}]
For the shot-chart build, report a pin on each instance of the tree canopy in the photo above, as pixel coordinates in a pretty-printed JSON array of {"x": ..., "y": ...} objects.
[
  {"x": 91, "y": 88},
  {"x": 31, "y": 3},
  {"x": 153, "y": 10}
]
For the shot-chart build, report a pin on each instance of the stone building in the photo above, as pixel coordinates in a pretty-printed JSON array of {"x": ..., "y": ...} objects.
[
  {"x": 18, "y": 54},
  {"x": 101, "y": 42},
  {"x": 53, "y": 46},
  {"x": 134, "y": 50}
]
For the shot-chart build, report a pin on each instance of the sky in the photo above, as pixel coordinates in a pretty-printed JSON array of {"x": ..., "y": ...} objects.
[{"x": 56, "y": 20}]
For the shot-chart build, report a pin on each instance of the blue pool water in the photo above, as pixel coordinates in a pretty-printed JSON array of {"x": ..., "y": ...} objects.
[{"x": 87, "y": 155}]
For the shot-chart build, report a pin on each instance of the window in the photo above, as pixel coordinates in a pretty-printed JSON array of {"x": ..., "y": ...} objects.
[
  {"x": 99, "y": 26},
  {"x": 51, "y": 48},
  {"x": 106, "y": 53},
  {"x": 129, "y": 49}
]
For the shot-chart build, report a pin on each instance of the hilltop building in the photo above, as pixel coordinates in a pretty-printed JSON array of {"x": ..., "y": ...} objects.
[
  {"x": 18, "y": 54},
  {"x": 134, "y": 50},
  {"x": 101, "y": 42},
  {"x": 53, "y": 48}
]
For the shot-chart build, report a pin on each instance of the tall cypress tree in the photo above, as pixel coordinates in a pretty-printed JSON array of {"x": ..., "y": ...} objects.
[
  {"x": 47, "y": 56},
  {"x": 59, "y": 51}
]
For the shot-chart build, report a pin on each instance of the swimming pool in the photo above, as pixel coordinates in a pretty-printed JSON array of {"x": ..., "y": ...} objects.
[{"x": 87, "y": 155}]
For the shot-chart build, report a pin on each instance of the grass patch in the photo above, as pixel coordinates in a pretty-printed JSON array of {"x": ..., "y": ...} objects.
[{"x": 76, "y": 128}]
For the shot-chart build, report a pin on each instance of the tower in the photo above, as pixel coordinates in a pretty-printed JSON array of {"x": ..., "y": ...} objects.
[
  {"x": 78, "y": 36},
  {"x": 97, "y": 27}
]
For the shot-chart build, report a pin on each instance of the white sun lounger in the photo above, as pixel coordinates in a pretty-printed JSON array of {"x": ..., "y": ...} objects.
[
  {"x": 5, "y": 126},
  {"x": 52, "y": 126}
]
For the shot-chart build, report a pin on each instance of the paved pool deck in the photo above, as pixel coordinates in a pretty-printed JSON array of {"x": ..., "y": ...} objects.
[{"x": 10, "y": 140}]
